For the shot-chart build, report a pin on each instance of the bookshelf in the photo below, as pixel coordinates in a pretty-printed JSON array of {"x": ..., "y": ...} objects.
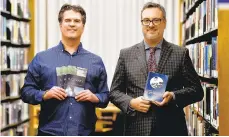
[
  {"x": 15, "y": 44},
  {"x": 10, "y": 72},
  {"x": 14, "y": 125},
  {"x": 223, "y": 71},
  {"x": 10, "y": 99},
  {"x": 199, "y": 33}
]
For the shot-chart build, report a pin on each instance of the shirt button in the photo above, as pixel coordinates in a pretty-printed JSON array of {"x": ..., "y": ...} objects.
[
  {"x": 70, "y": 117},
  {"x": 70, "y": 103}
]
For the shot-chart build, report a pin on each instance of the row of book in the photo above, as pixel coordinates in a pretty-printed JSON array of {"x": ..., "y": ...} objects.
[
  {"x": 22, "y": 130},
  {"x": 13, "y": 58},
  {"x": 15, "y": 31},
  {"x": 13, "y": 112},
  {"x": 202, "y": 20},
  {"x": 16, "y": 7},
  {"x": 198, "y": 126},
  {"x": 187, "y": 5},
  {"x": 205, "y": 111},
  {"x": 11, "y": 84},
  {"x": 3, "y": 5},
  {"x": 195, "y": 124},
  {"x": 204, "y": 57},
  {"x": 209, "y": 106}
]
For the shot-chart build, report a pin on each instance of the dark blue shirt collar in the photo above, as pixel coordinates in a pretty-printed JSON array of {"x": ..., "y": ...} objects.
[{"x": 61, "y": 47}]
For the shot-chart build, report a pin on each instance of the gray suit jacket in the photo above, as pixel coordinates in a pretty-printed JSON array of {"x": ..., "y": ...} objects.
[{"x": 129, "y": 82}]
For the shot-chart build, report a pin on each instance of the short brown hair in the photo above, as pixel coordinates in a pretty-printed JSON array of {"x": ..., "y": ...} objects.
[
  {"x": 76, "y": 8},
  {"x": 154, "y": 5}
]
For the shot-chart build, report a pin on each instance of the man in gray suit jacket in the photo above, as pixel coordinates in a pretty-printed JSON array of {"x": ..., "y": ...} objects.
[{"x": 143, "y": 117}]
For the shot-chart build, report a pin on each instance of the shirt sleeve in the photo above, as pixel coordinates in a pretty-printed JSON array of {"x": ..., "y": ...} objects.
[
  {"x": 103, "y": 91},
  {"x": 30, "y": 92}
]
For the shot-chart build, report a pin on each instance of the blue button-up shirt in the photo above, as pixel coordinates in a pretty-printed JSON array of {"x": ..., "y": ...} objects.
[{"x": 66, "y": 117}]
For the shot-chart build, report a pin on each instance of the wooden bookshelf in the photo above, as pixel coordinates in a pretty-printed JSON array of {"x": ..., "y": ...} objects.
[
  {"x": 8, "y": 71},
  {"x": 9, "y": 99},
  {"x": 191, "y": 9},
  {"x": 203, "y": 118},
  {"x": 15, "y": 43},
  {"x": 14, "y": 125},
  {"x": 204, "y": 37},
  {"x": 14, "y": 17},
  {"x": 33, "y": 110},
  {"x": 223, "y": 66},
  {"x": 199, "y": 33},
  {"x": 223, "y": 60},
  {"x": 209, "y": 80}
]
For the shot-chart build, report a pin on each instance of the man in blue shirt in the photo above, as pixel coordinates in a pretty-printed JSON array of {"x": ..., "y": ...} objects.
[{"x": 61, "y": 114}]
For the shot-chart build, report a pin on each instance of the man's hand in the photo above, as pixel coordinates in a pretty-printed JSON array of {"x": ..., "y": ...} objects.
[
  {"x": 87, "y": 95},
  {"x": 140, "y": 104},
  {"x": 167, "y": 97},
  {"x": 55, "y": 92}
]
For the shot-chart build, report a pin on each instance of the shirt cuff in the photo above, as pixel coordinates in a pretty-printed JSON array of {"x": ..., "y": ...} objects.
[
  {"x": 130, "y": 108},
  {"x": 99, "y": 97},
  {"x": 39, "y": 96}
]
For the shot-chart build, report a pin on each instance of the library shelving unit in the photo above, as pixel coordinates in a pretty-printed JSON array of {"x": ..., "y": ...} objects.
[
  {"x": 204, "y": 31},
  {"x": 223, "y": 63},
  {"x": 15, "y": 43},
  {"x": 199, "y": 33}
]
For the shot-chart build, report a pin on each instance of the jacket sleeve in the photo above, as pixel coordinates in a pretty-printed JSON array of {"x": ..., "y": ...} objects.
[
  {"x": 30, "y": 92},
  {"x": 192, "y": 91},
  {"x": 118, "y": 94}
]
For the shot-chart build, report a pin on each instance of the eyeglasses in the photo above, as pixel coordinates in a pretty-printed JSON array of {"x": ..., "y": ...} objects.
[{"x": 155, "y": 21}]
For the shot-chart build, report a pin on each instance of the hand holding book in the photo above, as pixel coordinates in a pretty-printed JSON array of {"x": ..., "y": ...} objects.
[
  {"x": 140, "y": 104},
  {"x": 87, "y": 95},
  {"x": 55, "y": 92},
  {"x": 167, "y": 97}
]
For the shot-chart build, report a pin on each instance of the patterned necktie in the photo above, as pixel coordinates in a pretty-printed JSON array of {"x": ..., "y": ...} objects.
[{"x": 152, "y": 66}]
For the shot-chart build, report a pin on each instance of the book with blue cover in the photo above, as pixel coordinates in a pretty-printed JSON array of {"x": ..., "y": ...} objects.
[{"x": 155, "y": 86}]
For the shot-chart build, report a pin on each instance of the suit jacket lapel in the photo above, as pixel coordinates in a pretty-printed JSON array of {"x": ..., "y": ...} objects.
[
  {"x": 165, "y": 52},
  {"x": 141, "y": 56}
]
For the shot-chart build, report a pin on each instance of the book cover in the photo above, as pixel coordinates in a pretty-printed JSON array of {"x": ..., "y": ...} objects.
[
  {"x": 155, "y": 86},
  {"x": 72, "y": 79}
]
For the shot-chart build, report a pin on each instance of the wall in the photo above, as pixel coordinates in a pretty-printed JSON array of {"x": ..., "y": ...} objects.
[{"x": 111, "y": 25}]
